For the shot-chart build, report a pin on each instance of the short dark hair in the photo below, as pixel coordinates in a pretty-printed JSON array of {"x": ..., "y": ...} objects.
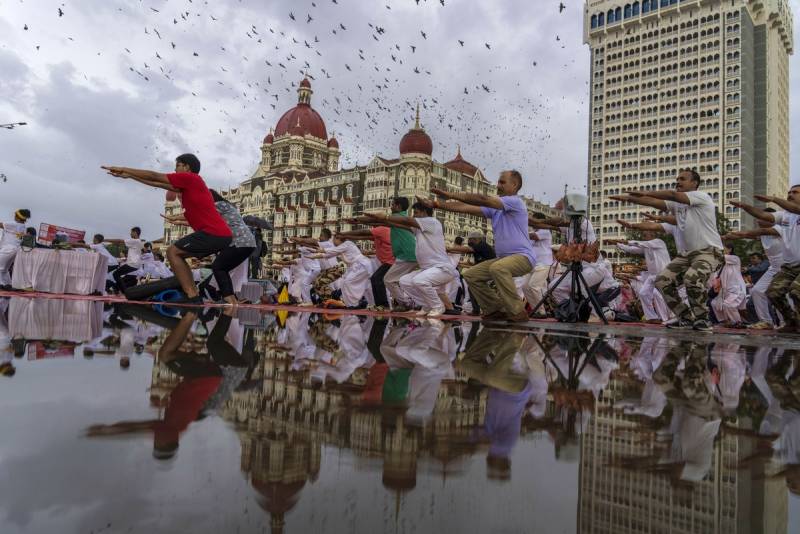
[
  {"x": 31, "y": 231},
  {"x": 325, "y": 233},
  {"x": 422, "y": 207},
  {"x": 757, "y": 255},
  {"x": 99, "y": 238},
  {"x": 402, "y": 202},
  {"x": 458, "y": 240},
  {"x": 694, "y": 174},
  {"x": 216, "y": 196},
  {"x": 190, "y": 160},
  {"x": 515, "y": 174},
  {"x": 137, "y": 230}
]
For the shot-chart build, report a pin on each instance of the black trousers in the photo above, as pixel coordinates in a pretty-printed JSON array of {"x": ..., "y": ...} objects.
[
  {"x": 118, "y": 274},
  {"x": 378, "y": 287},
  {"x": 226, "y": 261}
]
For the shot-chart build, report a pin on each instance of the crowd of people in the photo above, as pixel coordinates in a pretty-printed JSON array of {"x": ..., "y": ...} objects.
[
  {"x": 404, "y": 264},
  {"x": 414, "y": 269}
]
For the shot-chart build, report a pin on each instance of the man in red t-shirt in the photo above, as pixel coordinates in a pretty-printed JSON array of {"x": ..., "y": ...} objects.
[
  {"x": 211, "y": 233},
  {"x": 380, "y": 236}
]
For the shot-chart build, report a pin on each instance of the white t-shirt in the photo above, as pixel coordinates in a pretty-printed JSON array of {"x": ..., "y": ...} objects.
[
  {"x": 544, "y": 247},
  {"x": 588, "y": 234},
  {"x": 430, "y": 249},
  {"x": 12, "y": 235},
  {"x": 327, "y": 263},
  {"x": 697, "y": 221},
  {"x": 656, "y": 255},
  {"x": 455, "y": 259},
  {"x": 773, "y": 248},
  {"x": 788, "y": 225},
  {"x": 103, "y": 251},
  {"x": 135, "y": 247},
  {"x": 672, "y": 230},
  {"x": 348, "y": 251}
]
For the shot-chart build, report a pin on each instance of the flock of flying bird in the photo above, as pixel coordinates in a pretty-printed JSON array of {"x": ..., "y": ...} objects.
[{"x": 367, "y": 70}]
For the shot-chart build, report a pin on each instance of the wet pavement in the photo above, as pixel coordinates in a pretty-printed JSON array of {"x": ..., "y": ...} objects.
[{"x": 246, "y": 422}]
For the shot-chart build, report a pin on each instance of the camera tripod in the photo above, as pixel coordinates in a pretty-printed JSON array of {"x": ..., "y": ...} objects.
[{"x": 578, "y": 282}]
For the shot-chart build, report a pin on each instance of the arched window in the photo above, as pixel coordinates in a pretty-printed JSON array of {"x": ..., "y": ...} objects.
[
  {"x": 349, "y": 190},
  {"x": 635, "y": 8},
  {"x": 600, "y": 19},
  {"x": 618, "y": 14},
  {"x": 610, "y": 16},
  {"x": 627, "y": 14},
  {"x": 594, "y": 21},
  {"x": 335, "y": 193}
]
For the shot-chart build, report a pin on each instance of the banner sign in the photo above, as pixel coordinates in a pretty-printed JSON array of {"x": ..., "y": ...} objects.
[{"x": 47, "y": 233}]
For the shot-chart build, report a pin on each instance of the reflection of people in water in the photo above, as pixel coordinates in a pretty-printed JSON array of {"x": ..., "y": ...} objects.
[
  {"x": 6, "y": 350},
  {"x": 495, "y": 359},
  {"x": 201, "y": 377},
  {"x": 696, "y": 414}
]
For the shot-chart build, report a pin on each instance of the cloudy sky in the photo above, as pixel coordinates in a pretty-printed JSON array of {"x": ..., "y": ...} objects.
[{"x": 135, "y": 83}]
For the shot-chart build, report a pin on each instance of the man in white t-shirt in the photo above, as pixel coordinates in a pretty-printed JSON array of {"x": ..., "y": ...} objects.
[
  {"x": 696, "y": 218},
  {"x": 10, "y": 244},
  {"x": 535, "y": 285},
  {"x": 656, "y": 257},
  {"x": 787, "y": 281},
  {"x": 133, "y": 260},
  {"x": 435, "y": 269}
]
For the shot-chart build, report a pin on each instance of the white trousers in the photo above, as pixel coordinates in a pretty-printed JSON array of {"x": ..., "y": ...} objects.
[
  {"x": 653, "y": 304},
  {"x": 421, "y": 286},
  {"x": 301, "y": 286},
  {"x": 7, "y": 255},
  {"x": 392, "y": 279},
  {"x": 536, "y": 284},
  {"x": 759, "y": 295},
  {"x": 726, "y": 312},
  {"x": 355, "y": 282}
]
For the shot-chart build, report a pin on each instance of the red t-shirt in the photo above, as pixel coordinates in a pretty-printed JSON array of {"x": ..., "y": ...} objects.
[
  {"x": 198, "y": 205},
  {"x": 382, "y": 237}
]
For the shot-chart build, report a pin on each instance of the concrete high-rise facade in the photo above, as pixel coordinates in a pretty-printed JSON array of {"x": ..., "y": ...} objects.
[{"x": 701, "y": 84}]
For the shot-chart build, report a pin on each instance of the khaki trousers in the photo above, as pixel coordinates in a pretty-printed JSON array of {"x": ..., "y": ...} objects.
[{"x": 503, "y": 296}]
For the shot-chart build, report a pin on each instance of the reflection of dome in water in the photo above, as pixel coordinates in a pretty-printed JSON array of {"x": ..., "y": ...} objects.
[{"x": 277, "y": 498}]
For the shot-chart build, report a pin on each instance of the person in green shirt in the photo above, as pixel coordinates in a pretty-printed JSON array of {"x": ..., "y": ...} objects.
[{"x": 403, "y": 247}]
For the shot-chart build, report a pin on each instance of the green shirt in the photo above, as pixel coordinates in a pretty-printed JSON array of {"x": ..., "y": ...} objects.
[{"x": 403, "y": 242}]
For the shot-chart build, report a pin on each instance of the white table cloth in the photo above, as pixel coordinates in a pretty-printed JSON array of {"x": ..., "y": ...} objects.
[
  {"x": 60, "y": 271},
  {"x": 64, "y": 320}
]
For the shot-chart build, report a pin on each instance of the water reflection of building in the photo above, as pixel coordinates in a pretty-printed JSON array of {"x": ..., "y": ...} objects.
[
  {"x": 619, "y": 500},
  {"x": 284, "y": 424}
]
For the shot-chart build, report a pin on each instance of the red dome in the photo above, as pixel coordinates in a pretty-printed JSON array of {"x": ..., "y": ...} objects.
[
  {"x": 269, "y": 138},
  {"x": 459, "y": 164},
  {"x": 301, "y": 120},
  {"x": 416, "y": 141},
  {"x": 305, "y": 83},
  {"x": 333, "y": 143}
]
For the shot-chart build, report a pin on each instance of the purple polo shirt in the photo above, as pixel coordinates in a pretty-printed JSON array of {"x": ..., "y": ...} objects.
[{"x": 510, "y": 227}]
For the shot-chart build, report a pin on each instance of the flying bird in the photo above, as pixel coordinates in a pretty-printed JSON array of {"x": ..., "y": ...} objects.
[
  {"x": 291, "y": 16},
  {"x": 561, "y": 7},
  {"x": 60, "y": 12}
]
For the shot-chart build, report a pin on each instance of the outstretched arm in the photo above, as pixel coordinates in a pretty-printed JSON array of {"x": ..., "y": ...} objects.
[
  {"x": 151, "y": 178},
  {"x": 659, "y": 204},
  {"x": 473, "y": 199},
  {"x": 758, "y": 213},
  {"x": 397, "y": 221},
  {"x": 663, "y": 194},
  {"x": 751, "y": 234},
  {"x": 669, "y": 219},
  {"x": 453, "y": 205},
  {"x": 456, "y": 249},
  {"x": 787, "y": 205},
  {"x": 644, "y": 226}
]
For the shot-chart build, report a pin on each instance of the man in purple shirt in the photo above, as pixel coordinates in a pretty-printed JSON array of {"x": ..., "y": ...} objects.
[{"x": 515, "y": 255}]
